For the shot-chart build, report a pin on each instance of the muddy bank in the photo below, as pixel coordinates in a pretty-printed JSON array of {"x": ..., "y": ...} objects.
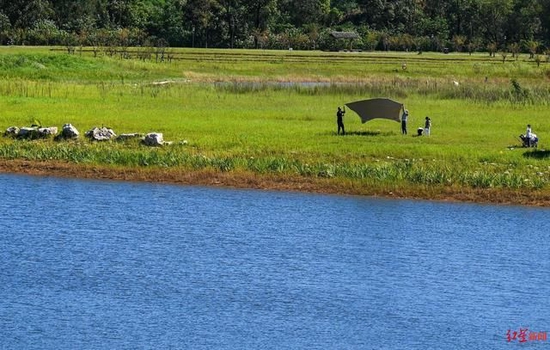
[{"x": 249, "y": 180}]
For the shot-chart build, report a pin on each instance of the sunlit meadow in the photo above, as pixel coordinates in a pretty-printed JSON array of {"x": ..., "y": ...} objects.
[{"x": 270, "y": 112}]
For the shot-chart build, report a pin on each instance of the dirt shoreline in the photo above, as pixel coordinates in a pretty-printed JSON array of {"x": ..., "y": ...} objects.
[{"x": 249, "y": 180}]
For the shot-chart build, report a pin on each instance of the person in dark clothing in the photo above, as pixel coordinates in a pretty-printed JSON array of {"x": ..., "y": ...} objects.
[
  {"x": 340, "y": 120},
  {"x": 404, "y": 118},
  {"x": 427, "y": 126}
]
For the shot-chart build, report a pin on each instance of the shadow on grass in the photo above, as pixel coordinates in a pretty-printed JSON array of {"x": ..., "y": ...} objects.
[
  {"x": 364, "y": 133},
  {"x": 361, "y": 133},
  {"x": 537, "y": 154}
]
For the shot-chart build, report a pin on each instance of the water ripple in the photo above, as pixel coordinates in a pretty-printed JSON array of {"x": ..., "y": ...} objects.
[{"x": 95, "y": 265}]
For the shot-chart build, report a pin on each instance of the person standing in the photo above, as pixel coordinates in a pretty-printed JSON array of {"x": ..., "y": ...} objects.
[
  {"x": 340, "y": 120},
  {"x": 404, "y": 118},
  {"x": 427, "y": 126},
  {"x": 528, "y": 135}
]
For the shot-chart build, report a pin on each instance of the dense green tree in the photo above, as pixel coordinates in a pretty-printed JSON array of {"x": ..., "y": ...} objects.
[
  {"x": 525, "y": 22},
  {"x": 167, "y": 22},
  {"x": 306, "y": 12},
  {"x": 388, "y": 24},
  {"x": 230, "y": 18},
  {"x": 545, "y": 20},
  {"x": 26, "y": 13},
  {"x": 260, "y": 14},
  {"x": 5, "y": 28},
  {"x": 494, "y": 15},
  {"x": 77, "y": 16},
  {"x": 200, "y": 17}
]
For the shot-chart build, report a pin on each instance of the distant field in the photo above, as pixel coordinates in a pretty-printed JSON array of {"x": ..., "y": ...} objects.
[
  {"x": 266, "y": 112},
  {"x": 220, "y": 64}
]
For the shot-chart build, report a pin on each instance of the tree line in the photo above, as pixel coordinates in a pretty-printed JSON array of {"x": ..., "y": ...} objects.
[{"x": 423, "y": 25}]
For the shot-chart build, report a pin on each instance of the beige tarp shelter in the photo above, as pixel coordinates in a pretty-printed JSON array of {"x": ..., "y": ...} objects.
[{"x": 377, "y": 108}]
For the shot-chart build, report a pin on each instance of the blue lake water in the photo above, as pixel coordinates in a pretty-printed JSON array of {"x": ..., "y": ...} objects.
[{"x": 113, "y": 265}]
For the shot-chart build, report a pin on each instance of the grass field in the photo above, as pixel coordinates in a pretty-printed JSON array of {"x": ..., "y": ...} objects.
[{"x": 264, "y": 112}]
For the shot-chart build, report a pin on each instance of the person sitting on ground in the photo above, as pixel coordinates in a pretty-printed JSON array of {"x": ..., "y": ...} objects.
[{"x": 529, "y": 139}]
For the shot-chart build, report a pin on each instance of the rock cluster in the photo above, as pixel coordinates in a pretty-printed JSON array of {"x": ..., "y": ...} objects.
[
  {"x": 100, "y": 134},
  {"x": 155, "y": 139},
  {"x": 31, "y": 132},
  {"x": 68, "y": 132}
]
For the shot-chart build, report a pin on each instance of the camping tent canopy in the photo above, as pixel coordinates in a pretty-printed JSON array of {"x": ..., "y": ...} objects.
[{"x": 377, "y": 108}]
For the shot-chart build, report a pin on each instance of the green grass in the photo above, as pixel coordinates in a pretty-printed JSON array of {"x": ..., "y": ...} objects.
[{"x": 236, "y": 125}]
